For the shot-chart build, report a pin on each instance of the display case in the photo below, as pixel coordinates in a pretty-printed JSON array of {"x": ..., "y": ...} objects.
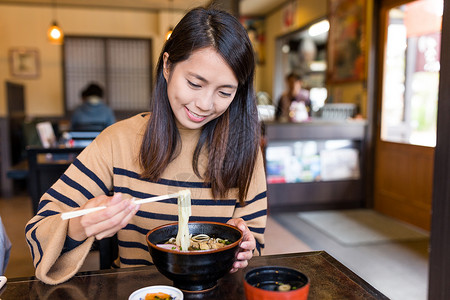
[{"x": 315, "y": 165}]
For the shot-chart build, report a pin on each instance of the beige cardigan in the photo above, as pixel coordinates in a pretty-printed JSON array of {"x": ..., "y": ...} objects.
[{"x": 110, "y": 163}]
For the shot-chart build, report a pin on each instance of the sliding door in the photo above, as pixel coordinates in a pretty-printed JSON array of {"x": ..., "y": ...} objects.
[{"x": 409, "y": 62}]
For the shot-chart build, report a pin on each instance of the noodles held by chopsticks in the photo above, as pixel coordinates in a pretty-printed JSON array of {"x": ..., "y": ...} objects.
[{"x": 184, "y": 212}]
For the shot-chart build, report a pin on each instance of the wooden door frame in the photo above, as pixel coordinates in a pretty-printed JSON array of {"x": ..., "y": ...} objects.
[
  {"x": 374, "y": 91},
  {"x": 439, "y": 268},
  {"x": 439, "y": 258}
]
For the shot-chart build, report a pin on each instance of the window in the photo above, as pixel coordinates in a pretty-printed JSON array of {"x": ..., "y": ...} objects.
[
  {"x": 121, "y": 65},
  {"x": 411, "y": 73}
]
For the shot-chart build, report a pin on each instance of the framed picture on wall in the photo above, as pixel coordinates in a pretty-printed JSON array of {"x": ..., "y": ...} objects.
[
  {"x": 346, "y": 40},
  {"x": 24, "y": 63}
]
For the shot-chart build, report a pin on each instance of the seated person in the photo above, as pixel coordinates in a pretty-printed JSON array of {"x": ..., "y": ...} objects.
[
  {"x": 5, "y": 248},
  {"x": 294, "y": 93},
  {"x": 203, "y": 126},
  {"x": 93, "y": 113}
]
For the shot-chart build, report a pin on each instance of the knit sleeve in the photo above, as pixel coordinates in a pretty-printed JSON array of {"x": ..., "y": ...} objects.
[
  {"x": 254, "y": 212},
  {"x": 89, "y": 176}
]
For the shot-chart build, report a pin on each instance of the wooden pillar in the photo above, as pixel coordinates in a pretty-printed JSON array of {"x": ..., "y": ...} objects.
[
  {"x": 231, "y": 6},
  {"x": 6, "y": 184},
  {"x": 439, "y": 270}
]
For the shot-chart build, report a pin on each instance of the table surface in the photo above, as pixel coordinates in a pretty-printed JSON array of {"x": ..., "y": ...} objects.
[{"x": 329, "y": 280}]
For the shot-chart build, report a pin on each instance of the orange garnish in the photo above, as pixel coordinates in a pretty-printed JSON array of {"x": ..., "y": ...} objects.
[{"x": 158, "y": 296}]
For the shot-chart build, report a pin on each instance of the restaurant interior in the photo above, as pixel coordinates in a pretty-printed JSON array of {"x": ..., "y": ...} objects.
[{"x": 360, "y": 173}]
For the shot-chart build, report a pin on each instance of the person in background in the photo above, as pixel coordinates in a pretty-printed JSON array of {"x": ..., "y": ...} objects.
[
  {"x": 294, "y": 93},
  {"x": 5, "y": 248},
  {"x": 202, "y": 134},
  {"x": 93, "y": 113}
]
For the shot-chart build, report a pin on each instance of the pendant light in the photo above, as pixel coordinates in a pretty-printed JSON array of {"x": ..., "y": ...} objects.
[
  {"x": 55, "y": 33},
  {"x": 169, "y": 32}
]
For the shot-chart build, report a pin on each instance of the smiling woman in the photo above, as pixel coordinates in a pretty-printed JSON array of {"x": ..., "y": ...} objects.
[
  {"x": 200, "y": 88},
  {"x": 214, "y": 69},
  {"x": 202, "y": 134}
]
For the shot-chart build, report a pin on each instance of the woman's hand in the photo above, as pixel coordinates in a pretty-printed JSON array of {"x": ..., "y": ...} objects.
[
  {"x": 105, "y": 222},
  {"x": 247, "y": 246}
]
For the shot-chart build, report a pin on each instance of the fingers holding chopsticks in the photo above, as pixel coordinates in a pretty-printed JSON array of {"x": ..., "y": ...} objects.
[
  {"x": 103, "y": 216},
  {"x": 84, "y": 211},
  {"x": 105, "y": 222}
]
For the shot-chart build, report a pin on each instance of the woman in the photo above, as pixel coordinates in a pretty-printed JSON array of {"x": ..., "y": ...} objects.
[
  {"x": 202, "y": 135},
  {"x": 295, "y": 93}
]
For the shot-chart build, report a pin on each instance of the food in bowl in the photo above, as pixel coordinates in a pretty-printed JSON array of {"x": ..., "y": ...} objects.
[
  {"x": 184, "y": 212},
  {"x": 157, "y": 292},
  {"x": 194, "y": 271},
  {"x": 275, "y": 282},
  {"x": 158, "y": 296},
  {"x": 184, "y": 241},
  {"x": 284, "y": 287},
  {"x": 198, "y": 242}
]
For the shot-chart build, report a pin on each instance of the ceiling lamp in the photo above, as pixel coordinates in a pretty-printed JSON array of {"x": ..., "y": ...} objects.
[
  {"x": 319, "y": 28},
  {"x": 169, "y": 32},
  {"x": 55, "y": 33}
]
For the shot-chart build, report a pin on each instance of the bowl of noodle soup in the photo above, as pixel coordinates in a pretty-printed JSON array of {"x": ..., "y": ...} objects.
[{"x": 194, "y": 270}]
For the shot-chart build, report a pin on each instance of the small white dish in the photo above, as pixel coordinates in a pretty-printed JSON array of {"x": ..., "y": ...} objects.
[{"x": 170, "y": 290}]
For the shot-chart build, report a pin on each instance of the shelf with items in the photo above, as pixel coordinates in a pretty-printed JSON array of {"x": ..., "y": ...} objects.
[{"x": 315, "y": 165}]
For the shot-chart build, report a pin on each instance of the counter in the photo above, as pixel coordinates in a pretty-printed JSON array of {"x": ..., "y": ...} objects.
[{"x": 315, "y": 165}]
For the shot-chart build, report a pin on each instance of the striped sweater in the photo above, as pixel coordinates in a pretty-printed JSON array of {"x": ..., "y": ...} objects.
[{"x": 111, "y": 164}]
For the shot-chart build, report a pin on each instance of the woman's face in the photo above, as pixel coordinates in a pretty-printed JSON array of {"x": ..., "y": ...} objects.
[{"x": 200, "y": 88}]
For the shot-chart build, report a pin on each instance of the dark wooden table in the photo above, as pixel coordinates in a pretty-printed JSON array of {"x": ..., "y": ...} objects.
[{"x": 329, "y": 280}]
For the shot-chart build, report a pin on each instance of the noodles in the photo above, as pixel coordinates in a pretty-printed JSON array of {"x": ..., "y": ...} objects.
[
  {"x": 184, "y": 212},
  {"x": 197, "y": 243},
  {"x": 184, "y": 241},
  {"x": 205, "y": 242}
]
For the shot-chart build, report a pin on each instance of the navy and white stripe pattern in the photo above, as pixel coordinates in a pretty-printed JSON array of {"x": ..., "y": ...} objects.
[{"x": 107, "y": 167}]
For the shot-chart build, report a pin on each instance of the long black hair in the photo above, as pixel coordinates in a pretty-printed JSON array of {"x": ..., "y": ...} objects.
[{"x": 232, "y": 139}]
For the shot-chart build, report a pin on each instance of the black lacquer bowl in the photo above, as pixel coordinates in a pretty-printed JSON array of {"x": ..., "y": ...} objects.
[{"x": 194, "y": 271}]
